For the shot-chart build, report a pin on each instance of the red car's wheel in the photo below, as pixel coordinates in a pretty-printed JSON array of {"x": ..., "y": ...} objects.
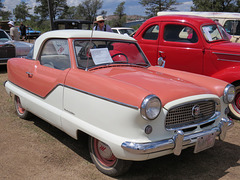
[
  {"x": 235, "y": 106},
  {"x": 104, "y": 159},
  {"x": 21, "y": 112}
]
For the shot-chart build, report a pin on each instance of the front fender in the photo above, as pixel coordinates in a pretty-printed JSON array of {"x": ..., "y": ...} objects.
[{"x": 230, "y": 74}]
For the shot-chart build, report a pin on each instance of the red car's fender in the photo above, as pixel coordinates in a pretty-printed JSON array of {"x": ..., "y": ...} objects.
[{"x": 229, "y": 74}]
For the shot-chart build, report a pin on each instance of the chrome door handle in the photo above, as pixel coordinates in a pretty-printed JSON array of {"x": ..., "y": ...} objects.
[{"x": 30, "y": 75}]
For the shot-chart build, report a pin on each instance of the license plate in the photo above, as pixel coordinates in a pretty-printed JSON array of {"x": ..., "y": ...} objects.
[{"x": 205, "y": 142}]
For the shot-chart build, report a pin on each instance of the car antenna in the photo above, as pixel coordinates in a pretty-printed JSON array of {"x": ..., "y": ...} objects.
[{"x": 86, "y": 69}]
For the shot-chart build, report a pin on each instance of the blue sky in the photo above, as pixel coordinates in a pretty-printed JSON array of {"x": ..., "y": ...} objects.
[{"x": 132, "y": 7}]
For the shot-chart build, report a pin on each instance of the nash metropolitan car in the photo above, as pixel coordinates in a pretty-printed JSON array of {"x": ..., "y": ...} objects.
[
  {"x": 102, "y": 84},
  {"x": 194, "y": 44},
  {"x": 10, "y": 48}
]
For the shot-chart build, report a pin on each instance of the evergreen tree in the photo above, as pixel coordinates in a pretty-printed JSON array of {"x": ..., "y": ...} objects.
[
  {"x": 121, "y": 16},
  {"x": 154, "y": 6},
  {"x": 58, "y": 8},
  {"x": 21, "y": 11},
  {"x": 215, "y": 5}
]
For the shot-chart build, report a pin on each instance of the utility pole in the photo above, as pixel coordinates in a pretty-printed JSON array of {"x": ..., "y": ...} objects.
[{"x": 50, "y": 9}]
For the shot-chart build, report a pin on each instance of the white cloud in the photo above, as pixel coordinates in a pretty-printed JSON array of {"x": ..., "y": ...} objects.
[
  {"x": 185, "y": 6},
  {"x": 10, "y": 4}
]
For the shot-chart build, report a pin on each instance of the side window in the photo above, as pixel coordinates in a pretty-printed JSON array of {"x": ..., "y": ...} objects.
[
  {"x": 114, "y": 30},
  {"x": 30, "y": 54},
  {"x": 232, "y": 27},
  {"x": 179, "y": 33},
  {"x": 55, "y": 54},
  {"x": 151, "y": 33}
]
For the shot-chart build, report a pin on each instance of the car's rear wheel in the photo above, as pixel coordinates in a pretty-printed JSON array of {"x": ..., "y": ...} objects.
[
  {"x": 21, "y": 112},
  {"x": 235, "y": 106},
  {"x": 104, "y": 159}
]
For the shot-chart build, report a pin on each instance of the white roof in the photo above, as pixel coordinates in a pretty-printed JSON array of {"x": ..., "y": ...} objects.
[
  {"x": 76, "y": 33},
  {"x": 122, "y": 28},
  {"x": 202, "y": 14}
]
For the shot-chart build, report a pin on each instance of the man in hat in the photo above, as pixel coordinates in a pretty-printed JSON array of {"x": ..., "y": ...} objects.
[
  {"x": 100, "y": 25},
  {"x": 13, "y": 31}
]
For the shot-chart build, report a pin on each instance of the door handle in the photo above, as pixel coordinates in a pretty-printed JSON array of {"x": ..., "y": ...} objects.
[
  {"x": 162, "y": 54},
  {"x": 30, "y": 75}
]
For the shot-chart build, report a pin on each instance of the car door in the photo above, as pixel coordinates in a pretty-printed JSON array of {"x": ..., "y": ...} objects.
[
  {"x": 46, "y": 77},
  {"x": 181, "y": 50},
  {"x": 148, "y": 39}
]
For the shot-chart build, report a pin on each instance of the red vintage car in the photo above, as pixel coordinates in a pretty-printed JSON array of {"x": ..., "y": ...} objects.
[{"x": 194, "y": 44}]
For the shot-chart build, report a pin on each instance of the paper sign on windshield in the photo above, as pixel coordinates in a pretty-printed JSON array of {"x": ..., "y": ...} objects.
[{"x": 101, "y": 56}]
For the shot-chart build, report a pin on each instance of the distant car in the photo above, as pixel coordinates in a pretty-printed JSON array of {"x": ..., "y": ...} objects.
[
  {"x": 31, "y": 33},
  {"x": 10, "y": 48},
  {"x": 71, "y": 24},
  {"x": 123, "y": 30},
  {"x": 101, "y": 84}
]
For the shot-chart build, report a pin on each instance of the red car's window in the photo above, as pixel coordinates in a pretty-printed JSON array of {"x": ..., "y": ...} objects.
[
  {"x": 211, "y": 33},
  {"x": 151, "y": 33},
  {"x": 179, "y": 33}
]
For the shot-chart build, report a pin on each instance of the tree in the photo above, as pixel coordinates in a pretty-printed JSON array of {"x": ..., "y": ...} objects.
[
  {"x": 58, "y": 8},
  {"x": 154, "y": 6},
  {"x": 89, "y": 8},
  {"x": 215, "y": 5},
  {"x": 21, "y": 11},
  {"x": 4, "y": 14},
  {"x": 121, "y": 16}
]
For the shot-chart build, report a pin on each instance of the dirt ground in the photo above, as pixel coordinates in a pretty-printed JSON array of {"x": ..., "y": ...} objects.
[{"x": 33, "y": 149}]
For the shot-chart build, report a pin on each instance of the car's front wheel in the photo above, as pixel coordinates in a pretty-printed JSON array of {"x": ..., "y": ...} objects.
[
  {"x": 104, "y": 159},
  {"x": 235, "y": 106},
  {"x": 21, "y": 112}
]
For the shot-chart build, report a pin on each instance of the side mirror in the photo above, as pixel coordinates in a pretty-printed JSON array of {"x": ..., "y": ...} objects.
[{"x": 161, "y": 62}]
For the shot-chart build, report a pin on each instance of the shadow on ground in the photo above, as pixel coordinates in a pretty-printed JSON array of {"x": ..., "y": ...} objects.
[
  {"x": 3, "y": 69},
  {"x": 211, "y": 164}
]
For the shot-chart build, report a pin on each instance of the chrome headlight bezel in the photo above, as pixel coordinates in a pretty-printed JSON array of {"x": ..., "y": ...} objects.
[
  {"x": 229, "y": 94},
  {"x": 151, "y": 107}
]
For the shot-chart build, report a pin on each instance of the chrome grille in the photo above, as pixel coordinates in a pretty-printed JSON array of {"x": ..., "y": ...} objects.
[{"x": 183, "y": 115}]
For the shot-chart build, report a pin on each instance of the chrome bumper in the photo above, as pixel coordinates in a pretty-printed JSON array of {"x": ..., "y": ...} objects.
[{"x": 178, "y": 141}]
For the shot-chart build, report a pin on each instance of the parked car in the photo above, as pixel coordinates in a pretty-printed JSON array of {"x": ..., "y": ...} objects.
[
  {"x": 208, "y": 51},
  {"x": 10, "y": 48},
  {"x": 31, "y": 33},
  {"x": 101, "y": 84},
  {"x": 229, "y": 20},
  {"x": 123, "y": 30},
  {"x": 71, "y": 24}
]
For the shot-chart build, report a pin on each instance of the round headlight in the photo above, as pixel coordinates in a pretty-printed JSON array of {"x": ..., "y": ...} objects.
[
  {"x": 229, "y": 93},
  {"x": 151, "y": 107}
]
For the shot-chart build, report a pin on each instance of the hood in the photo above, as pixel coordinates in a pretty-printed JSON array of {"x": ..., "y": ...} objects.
[
  {"x": 227, "y": 47},
  {"x": 167, "y": 87}
]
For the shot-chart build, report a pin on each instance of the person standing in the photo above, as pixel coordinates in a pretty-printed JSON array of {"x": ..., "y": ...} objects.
[
  {"x": 101, "y": 26},
  {"x": 23, "y": 30},
  {"x": 13, "y": 31}
]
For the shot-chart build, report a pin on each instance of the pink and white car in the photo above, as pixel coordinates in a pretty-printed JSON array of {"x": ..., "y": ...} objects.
[{"x": 102, "y": 84}]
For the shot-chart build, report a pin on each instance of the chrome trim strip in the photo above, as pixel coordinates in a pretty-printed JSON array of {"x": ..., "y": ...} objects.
[
  {"x": 228, "y": 60},
  {"x": 226, "y": 54},
  {"x": 173, "y": 143}
]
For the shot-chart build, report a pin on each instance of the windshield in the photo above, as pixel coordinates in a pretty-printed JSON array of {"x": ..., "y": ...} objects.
[
  {"x": 4, "y": 36},
  {"x": 126, "y": 31},
  {"x": 212, "y": 33},
  {"x": 106, "y": 52}
]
